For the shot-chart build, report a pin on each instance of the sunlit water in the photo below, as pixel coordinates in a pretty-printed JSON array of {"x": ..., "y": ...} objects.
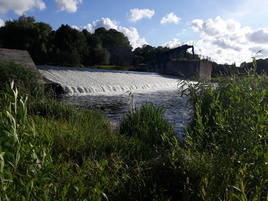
[{"x": 115, "y": 92}]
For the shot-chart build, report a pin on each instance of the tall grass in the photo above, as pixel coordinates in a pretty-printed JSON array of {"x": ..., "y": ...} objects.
[
  {"x": 51, "y": 151},
  {"x": 74, "y": 155},
  {"x": 26, "y": 80},
  {"x": 147, "y": 125},
  {"x": 229, "y": 126},
  {"x": 24, "y": 156}
]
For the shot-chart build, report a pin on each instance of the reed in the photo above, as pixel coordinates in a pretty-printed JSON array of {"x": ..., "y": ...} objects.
[
  {"x": 26, "y": 80},
  {"x": 229, "y": 126},
  {"x": 147, "y": 125},
  {"x": 52, "y": 151},
  {"x": 24, "y": 155}
]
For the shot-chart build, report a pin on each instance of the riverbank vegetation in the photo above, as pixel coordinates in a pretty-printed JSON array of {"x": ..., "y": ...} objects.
[
  {"x": 101, "y": 48},
  {"x": 68, "y": 46},
  {"x": 52, "y": 151}
]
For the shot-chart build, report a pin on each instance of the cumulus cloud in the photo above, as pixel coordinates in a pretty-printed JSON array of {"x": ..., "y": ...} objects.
[
  {"x": 106, "y": 23},
  {"x": 131, "y": 33},
  {"x": 21, "y": 6},
  {"x": 68, "y": 5},
  {"x": 225, "y": 44},
  {"x": 225, "y": 41},
  {"x": 259, "y": 36},
  {"x": 133, "y": 36},
  {"x": 173, "y": 43},
  {"x": 2, "y": 23},
  {"x": 137, "y": 14},
  {"x": 214, "y": 27},
  {"x": 103, "y": 22},
  {"x": 170, "y": 18}
]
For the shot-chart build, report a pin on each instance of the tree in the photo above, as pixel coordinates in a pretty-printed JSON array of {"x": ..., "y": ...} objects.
[
  {"x": 101, "y": 55},
  {"x": 97, "y": 54},
  {"x": 117, "y": 44},
  {"x": 121, "y": 56},
  {"x": 70, "y": 43},
  {"x": 148, "y": 53},
  {"x": 26, "y": 34},
  {"x": 112, "y": 38}
]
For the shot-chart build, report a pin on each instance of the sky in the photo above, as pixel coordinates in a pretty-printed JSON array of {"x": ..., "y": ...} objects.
[{"x": 226, "y": 31}]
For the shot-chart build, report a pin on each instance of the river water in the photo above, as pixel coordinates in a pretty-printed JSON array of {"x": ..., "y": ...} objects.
[{"x": 115, "y": 92}]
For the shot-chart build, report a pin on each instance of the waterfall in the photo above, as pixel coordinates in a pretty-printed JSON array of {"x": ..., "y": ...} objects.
[{"x": 92, "y": 81}]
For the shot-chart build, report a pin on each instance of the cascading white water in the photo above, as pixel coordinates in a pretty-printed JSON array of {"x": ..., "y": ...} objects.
[{"x": 87, "y": 81}]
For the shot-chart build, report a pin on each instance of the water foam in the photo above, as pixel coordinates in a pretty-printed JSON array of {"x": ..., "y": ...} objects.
[{"x": 87, "y": 81}]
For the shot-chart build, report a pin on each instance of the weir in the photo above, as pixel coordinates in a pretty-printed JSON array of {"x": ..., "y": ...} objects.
[
  {"x": 92, "y": 81},
  {"x": 174, "y": 62}
]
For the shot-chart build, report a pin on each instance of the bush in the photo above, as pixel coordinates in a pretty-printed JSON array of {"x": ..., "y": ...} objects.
[
  {"x": 24, "y": 155},
  {"x": 147, "y": 125},
  {"x": 229, "y": 126},
  {"x": 27, "y": 80}
]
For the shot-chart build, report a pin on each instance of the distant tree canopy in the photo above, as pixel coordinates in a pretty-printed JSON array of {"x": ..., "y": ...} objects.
[
  {"x": 25, "y": 33},
  {"x": 68, "y": 46},
  {"x": 147, "y": 53}
]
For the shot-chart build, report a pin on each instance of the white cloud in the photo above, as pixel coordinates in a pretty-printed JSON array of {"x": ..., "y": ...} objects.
[
  {"x": 173, "y": 43},
  {"x": 214, "y": 27},
  {"x": 20, "y": 6},
  {"x": 225, "y": 41},
  {"x": 68, "y": 5},
  {"x": 138, "y": 14},
  {"x": 259, "y": 36},
  {"x": 133, "y": 36},
  {"x": 170, "y": 18},
  {"x": 2, "y": 23},
  {"x": 103, "y": 22},
  {"x": 89, "y": 28},
  {"x": 107, "y": 23}
]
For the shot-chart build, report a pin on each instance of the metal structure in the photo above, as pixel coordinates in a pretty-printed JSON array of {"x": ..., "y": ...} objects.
[
  {"x": 175, "y": 54},
  {"x": 177, "y": 62}
]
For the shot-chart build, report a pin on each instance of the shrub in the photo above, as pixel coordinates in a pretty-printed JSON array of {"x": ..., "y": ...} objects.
[
  {"x": 146, "y": 129},
  {"x": 27, "y": 80},
  {"x": 229, "y": 125},
  {"x": 24, "y": 156}
]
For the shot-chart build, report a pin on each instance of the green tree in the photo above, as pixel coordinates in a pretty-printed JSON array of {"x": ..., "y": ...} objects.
[
  {"x": 26, "y": 34},
  {"x": 70, "y": 45},
  {"x": 97, "y": 54},
  {"x": 117, "y": 44},
  {"x": 112, "y": 38},
  {"x": 148, "y": 52},
  {"x": 101, "y": 55}
]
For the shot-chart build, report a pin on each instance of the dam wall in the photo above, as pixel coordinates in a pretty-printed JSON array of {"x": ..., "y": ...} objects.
[
  {"x": 16, "y": 56},
  {"x": 187, "y": 69}
]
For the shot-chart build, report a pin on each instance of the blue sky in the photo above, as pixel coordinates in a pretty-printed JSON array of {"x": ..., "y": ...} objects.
[{"x": 226, "y": 31}]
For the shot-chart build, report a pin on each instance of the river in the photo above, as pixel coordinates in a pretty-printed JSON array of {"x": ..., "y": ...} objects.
[{"x": 115, "y": 92}]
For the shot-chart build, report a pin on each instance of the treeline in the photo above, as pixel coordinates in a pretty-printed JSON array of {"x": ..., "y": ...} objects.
[
  {"x": 68, "y": 46},
  {"x": 219, "y": 70}
]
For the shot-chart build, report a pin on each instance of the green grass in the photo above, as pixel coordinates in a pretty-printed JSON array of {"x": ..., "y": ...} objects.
[
  {"x": 52, "y": 151},
  {"x": 229, "y": 125},
  {"x": 26, "y": 79}
]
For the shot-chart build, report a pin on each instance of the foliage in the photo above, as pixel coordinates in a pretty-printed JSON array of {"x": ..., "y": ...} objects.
[
  {"x": 25, "y": 33},
  {"x": 24, "y": 155},
  {"x": 66, "y": 46},
  {"x": 146, "y": 123},
  {"x": 51, "y": 151},
  {"x": 229, "y": 125},
  {"x": 112, "y": 38},
  {"x": 26, "y": 79}
]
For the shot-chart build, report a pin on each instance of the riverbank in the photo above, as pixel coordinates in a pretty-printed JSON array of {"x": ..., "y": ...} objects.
[{"x": 52, "y": 151}]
